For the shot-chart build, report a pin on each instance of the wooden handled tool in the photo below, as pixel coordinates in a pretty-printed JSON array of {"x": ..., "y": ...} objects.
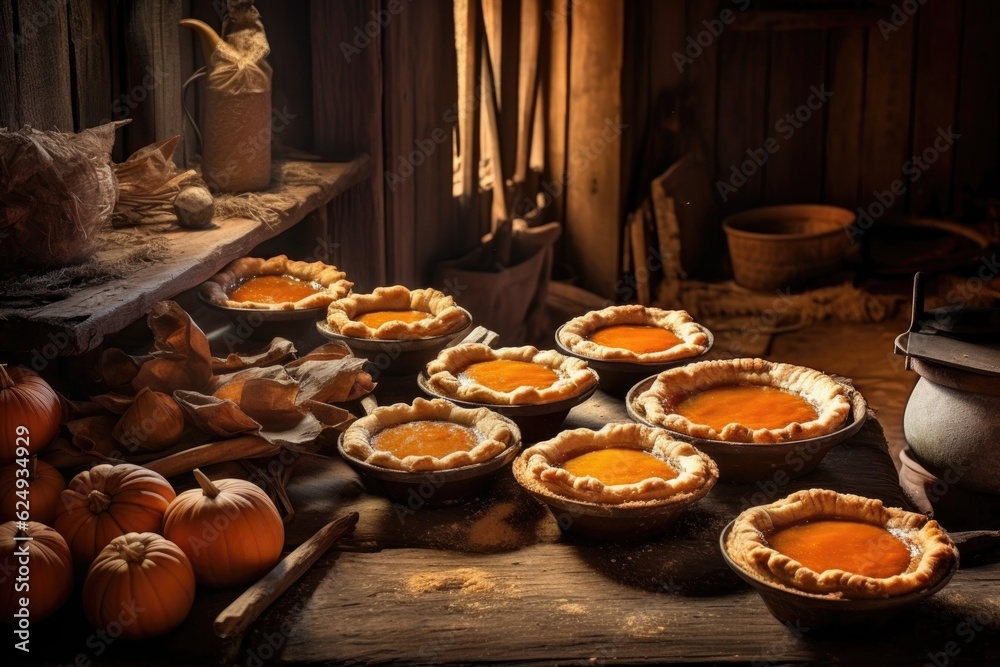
[{"x": 245, "y": 609}]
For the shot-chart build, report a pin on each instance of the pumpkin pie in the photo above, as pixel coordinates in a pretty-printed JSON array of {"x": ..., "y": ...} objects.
[
  {"x": 839, "y": 545},
  {"x": 621, "y": 464},
  {"x": 745, "y": 400},
  {"x": 277, "y": 283},
  {"x": 508, "y": 376},
  {"x": 636, "y": 334},
  {"x": 396, "y": 313},
  {"x": 428, "y": 435}
]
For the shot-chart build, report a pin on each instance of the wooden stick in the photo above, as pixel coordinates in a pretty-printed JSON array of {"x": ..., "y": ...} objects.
[
  {"x": 489, "y": 91},
  {"x": 244, "y": 447},
  {"x": 239, "y": 615}
]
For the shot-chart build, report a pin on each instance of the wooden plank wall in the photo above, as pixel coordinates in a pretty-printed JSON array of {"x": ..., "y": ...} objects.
[{"x": 895, "y": 84}]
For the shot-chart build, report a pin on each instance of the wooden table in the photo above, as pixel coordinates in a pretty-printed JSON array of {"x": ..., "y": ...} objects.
[
  {"x": 79, "y": 323},
  {"x": 493, "y": 580}
]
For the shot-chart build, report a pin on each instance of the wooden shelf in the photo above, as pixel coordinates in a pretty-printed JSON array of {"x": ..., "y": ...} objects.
[{"x": 79, "y": 323}]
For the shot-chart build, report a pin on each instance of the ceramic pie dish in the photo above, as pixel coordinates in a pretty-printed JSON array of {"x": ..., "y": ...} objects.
[
  {"x": 819, "y": 557},
  {"x": 429, "y": 452},
  {"x": 627, "y": 343},
  {"x": 625, "y": 481},
  {"x": 539, "y": 411},
  {"x": 397, "y": 313},
  {"x": 275, "y": 284},
  {"x": 397, "y": 357},
  {"x": 750, "y": 462},
  {"x": 745, "y": 400}
]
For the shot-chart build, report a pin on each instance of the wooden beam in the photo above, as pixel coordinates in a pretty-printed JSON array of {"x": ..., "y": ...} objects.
[
  {"x": 594, "y": 192},
  {"x": 45, "y": 100},
  {"x": 844, "y": 117},
  {"x": 346, "y": 59},
  {"x": 939, "y": 48}
]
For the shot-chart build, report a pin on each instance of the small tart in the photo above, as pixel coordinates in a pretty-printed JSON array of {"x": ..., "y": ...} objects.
[
  {"x": 809, "y": 403},
  {"x": 931, "y": 551},
  {"x": 449, "y": 375},
  {"x": 328, "y": 283},
  {"x": 546, "y": 467},
  {"x": 492, "y": 435},
  {"x": 583, "y": 335},
  {"x": 347, "y": 316}
]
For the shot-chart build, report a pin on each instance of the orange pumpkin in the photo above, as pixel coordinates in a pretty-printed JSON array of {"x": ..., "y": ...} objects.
[
  {"x": 229, "y": 529},
  {"x": 107, "y": 501},
  {"x": 48, "y": 576},
  {"x": 139, "y": 586},
  {"x": 43, "y": 484},
  {"x": 30, "y": 413}
]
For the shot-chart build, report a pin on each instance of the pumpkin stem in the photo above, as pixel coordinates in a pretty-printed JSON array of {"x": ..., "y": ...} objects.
[
  {"x": 132, "y": 552},
  {"x": 21, "y": 534},
  {"x": 5, "y": 381},
  {"x": 209, "y": 489},
  {"x": 99, "y": 501}
]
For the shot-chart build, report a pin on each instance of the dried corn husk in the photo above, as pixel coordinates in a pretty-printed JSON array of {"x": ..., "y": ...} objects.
[
  {"x": 153, "y": 423},
  {"x": 57, "y": 191},
  {"x": 148, "y": 184}
]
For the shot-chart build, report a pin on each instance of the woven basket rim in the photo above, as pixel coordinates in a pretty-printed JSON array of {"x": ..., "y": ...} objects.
[{"x": 838, "y": 217}]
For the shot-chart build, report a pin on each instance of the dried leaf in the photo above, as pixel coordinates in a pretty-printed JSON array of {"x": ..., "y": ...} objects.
[
  {"x": 119, "y": 369},
  {"x": 326, "y": 352},
  {"x": 277, "y": 352},
  {"x": 114, "y": 403},
  {"x": 214, "y": 415},
  {"x": 181, "y": 356},
  {"x": 332, "y": 381},
  {"x": 153, "y": 423},
  {"x": 93, "y": 434}
]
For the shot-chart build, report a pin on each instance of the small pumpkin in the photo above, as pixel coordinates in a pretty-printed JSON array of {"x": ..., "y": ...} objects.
[
  {"x": 107, "y": 501},
  {"x": 43, "y": 484},
  {"x": 140, "y": 583},
  {"x": 50, "y": 571},
  {"x": 27, "y": 401},
  {"x": 229, "y": 528}
]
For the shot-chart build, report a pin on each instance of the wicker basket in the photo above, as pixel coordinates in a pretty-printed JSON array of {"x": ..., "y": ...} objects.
[{"x": 783, "y": 246}]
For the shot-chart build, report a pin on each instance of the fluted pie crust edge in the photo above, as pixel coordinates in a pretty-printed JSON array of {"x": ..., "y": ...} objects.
[
  {"x": 694, "y": 340},
  {"x": 445, "y": 318},
  {"x": 495, "y": 434},
  {"x": 332, "y": 282},
  {"x": 747, "y": 545},
  {"x": 539, "y": 468},
  {"x": 575, "y": 377},
  {"x": 825, "y": 394}
]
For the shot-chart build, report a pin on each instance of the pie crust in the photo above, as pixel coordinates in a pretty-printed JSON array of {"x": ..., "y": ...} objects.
[
  {"x": 495, "y": 435},
  {"x": 694, "y": 340},
  {"x": 827, "y": 396},
  {"x": 574, "y": 376},
  {"x": 540, "y": 469},
  {"x": 932, "y": 549},
  {"x": 446, "y": 316},
  {"x": 329, "y": 280}
]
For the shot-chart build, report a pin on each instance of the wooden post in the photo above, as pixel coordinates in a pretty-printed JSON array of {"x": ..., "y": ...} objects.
[
  {"x": 43, "y": 71},
  {"x": 594, "y": 200}
]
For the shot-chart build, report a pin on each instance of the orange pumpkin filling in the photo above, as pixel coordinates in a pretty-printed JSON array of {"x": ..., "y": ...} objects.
[
  {"x": 619, "y": 465},
  {"x": 507, "y": 375},
  {"x": 638, "y": 338},
  {"x": 377, "y": 318},
  {"x": 840, "y": 544},
  {"x": 425, "y": 438},
  {"x": 754, "y": 406},
  {"x": 273, "y": 289}
]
